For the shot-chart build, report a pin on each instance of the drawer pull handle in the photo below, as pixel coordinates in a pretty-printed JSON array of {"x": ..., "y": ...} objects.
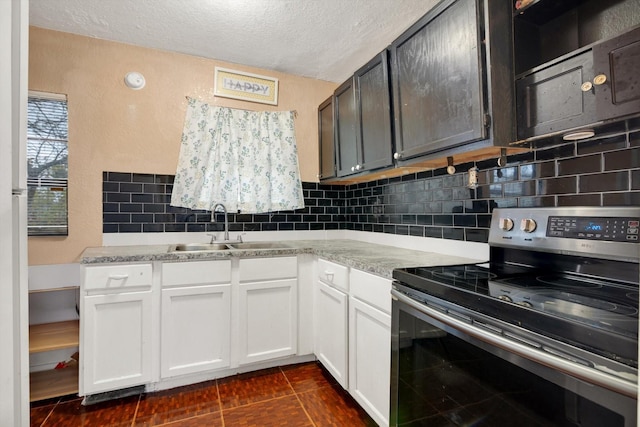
[
  {"x": 329, "y": 275},
  {"x": 118, "y": 276}
]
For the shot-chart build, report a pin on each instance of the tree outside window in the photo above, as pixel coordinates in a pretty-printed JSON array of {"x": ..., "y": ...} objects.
[{"x": 47, "y": 164}]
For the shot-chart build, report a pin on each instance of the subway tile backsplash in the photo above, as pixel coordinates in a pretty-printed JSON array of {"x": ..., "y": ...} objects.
[
  {"x": 139, "y": 203},
  {"x": 596, "y": 172}
]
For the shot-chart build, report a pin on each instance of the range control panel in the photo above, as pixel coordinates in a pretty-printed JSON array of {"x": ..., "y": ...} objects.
[
  {"x": 615, "y": 229},
  {"x": 598, "y": 232}
]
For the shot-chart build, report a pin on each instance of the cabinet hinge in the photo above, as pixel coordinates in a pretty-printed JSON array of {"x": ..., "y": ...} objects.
[{"x": 487, "y": 120}]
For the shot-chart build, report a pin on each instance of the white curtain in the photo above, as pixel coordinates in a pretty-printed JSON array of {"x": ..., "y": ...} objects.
[{"x": 246, "y": 160}]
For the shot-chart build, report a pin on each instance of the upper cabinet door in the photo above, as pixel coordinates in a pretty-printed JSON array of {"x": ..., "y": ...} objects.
[
  {"x": 576, "y": 64},
  {"x": 326, "y": 136},
  {"x": 551, "y": 99},
  {"x": 345, "y": 122},
  {"x": 374, "y": 109},
  {"x": 617, "y": 87},
  {"x": 438, "y": 81}
]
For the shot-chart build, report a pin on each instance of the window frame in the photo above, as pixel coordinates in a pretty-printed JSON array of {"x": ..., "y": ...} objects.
[{"x": 51, "y": 190}]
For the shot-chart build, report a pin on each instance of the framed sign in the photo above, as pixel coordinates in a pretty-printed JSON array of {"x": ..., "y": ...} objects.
[{"x": 245, "y": 86}]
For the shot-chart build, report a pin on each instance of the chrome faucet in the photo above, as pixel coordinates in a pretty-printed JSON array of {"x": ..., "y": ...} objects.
[{"x": 226, "y": 220}]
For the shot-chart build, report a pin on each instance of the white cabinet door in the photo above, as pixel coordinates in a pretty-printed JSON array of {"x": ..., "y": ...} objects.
[
  {"x": 330, "y": 331},
  {"x": 370, "y": 359},
  {"x": 268, "y": 308},
  {"x": 195, "y": 329},
  {"x": 116, "y": 341},
  {"x": 268, "y": 320}
]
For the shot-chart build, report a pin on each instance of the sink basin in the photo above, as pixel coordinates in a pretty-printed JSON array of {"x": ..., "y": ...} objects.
[
  {"x": 192, "y": 247},
  {"x": 195, "y": 247},
  {"x": 258, "y": 245}
]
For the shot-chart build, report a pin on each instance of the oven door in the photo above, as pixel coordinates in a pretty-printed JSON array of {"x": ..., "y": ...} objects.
[{"x": 446, "y": 371}]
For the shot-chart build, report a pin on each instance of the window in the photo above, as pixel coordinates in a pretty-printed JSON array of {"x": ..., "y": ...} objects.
[{"x": 47, "y": 166}]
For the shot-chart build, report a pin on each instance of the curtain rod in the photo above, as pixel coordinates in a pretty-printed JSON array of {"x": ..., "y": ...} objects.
[{"x": 295, "y": 112}]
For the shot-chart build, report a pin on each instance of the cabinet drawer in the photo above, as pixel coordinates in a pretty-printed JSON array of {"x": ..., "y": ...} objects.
[
  {"x": 333, "y": 274},
  {"x": 252, "y": 269},
  {"x": 196, "y": 273},
  {"x": 372, "y": 289},
  {"x": 117, "y": 276}
]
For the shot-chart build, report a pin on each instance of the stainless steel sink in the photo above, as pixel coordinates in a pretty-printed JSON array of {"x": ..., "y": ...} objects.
[
  {"x": 202, "y": 247},
  {"x": 259, "y": 245},
  {"x": 192, "y": 247}
]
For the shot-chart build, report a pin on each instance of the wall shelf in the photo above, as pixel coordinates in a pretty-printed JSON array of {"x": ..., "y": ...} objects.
[
  {"x": 53, "y": 383},
  {"x": 61, "y": 288},
  {"x": 48, "y": 337},
  {"x": 53, "y": 336}
]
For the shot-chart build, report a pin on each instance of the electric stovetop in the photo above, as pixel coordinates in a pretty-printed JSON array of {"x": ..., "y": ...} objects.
[{"x": 594, "y": 314}]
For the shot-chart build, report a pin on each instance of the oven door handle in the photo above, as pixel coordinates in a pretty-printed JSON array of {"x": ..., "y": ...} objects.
[{"x": 585, "y": 373}]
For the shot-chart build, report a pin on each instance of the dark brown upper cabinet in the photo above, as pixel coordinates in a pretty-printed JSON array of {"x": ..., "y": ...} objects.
[
  {"x": 551, "y": 100},
  {"x": 575, "y": 63},
  {"x": 346, "y": 126},
  {"x": 617, "y": 66},
  {"x": 452, "y": 79},
  {"x": 363, "y": 119},
  {"x": 375, "y": 145},
  {"x": 326, "y": 138}
]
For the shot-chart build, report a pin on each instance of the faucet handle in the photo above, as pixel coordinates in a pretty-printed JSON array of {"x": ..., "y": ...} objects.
[
  {"x": 240, "y": 237},
  {"x": 213, "y": 237}
]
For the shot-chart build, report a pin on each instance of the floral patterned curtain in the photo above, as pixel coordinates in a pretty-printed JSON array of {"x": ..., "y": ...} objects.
[{"x": 246, "y": 160}]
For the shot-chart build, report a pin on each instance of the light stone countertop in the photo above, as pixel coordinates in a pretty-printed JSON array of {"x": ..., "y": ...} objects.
[{"x": 370, "y": 257}]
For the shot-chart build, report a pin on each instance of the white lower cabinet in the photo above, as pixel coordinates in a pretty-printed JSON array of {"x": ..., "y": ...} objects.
[
  {"x": 331, "y": 320},
  {"x": 202, "y": 316},
  {"x": 116, "y": 327},
  {"x": 116, "y": 341},
  {"x": 370, "y": 343},
  {"x": 331, "y": 331},
  {"x": 267, "y": 309},
  {"x": 195, "y": 317},
  {"x": 195, "y": 331},
  {"x": 370, "y": 359},
  {"x": 352, "y": 334},
  {"x": 144, "y": 323}
]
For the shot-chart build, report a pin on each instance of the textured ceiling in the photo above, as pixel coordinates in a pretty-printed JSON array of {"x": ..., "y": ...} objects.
[{"x": 322, "y": 39}]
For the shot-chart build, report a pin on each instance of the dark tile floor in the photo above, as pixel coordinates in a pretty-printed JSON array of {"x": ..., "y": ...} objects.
[{"x": 296, "y": 395}]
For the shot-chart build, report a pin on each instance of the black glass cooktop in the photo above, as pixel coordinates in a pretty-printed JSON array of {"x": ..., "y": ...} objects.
[{"x": 581, "y": 311}]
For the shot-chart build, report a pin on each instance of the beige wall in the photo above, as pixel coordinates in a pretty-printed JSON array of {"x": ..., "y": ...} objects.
[{"x": 114, "y": 128}]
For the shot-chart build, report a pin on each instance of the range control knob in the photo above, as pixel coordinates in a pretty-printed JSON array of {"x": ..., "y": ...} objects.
[
  {"x": 505, "y": 298},
  {"x": 505, "y": 224},
  {"x": 525, "y": 304},
  {"x": 528, "y": 225}
]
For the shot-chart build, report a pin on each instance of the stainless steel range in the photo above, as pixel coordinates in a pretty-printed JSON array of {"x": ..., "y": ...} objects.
[{"x": 544, "y": 333}]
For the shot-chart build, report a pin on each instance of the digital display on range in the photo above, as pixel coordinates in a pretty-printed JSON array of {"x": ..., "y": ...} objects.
[
  {"x": 592, "y": 226},
  {"x": 615, "y": 229}
]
